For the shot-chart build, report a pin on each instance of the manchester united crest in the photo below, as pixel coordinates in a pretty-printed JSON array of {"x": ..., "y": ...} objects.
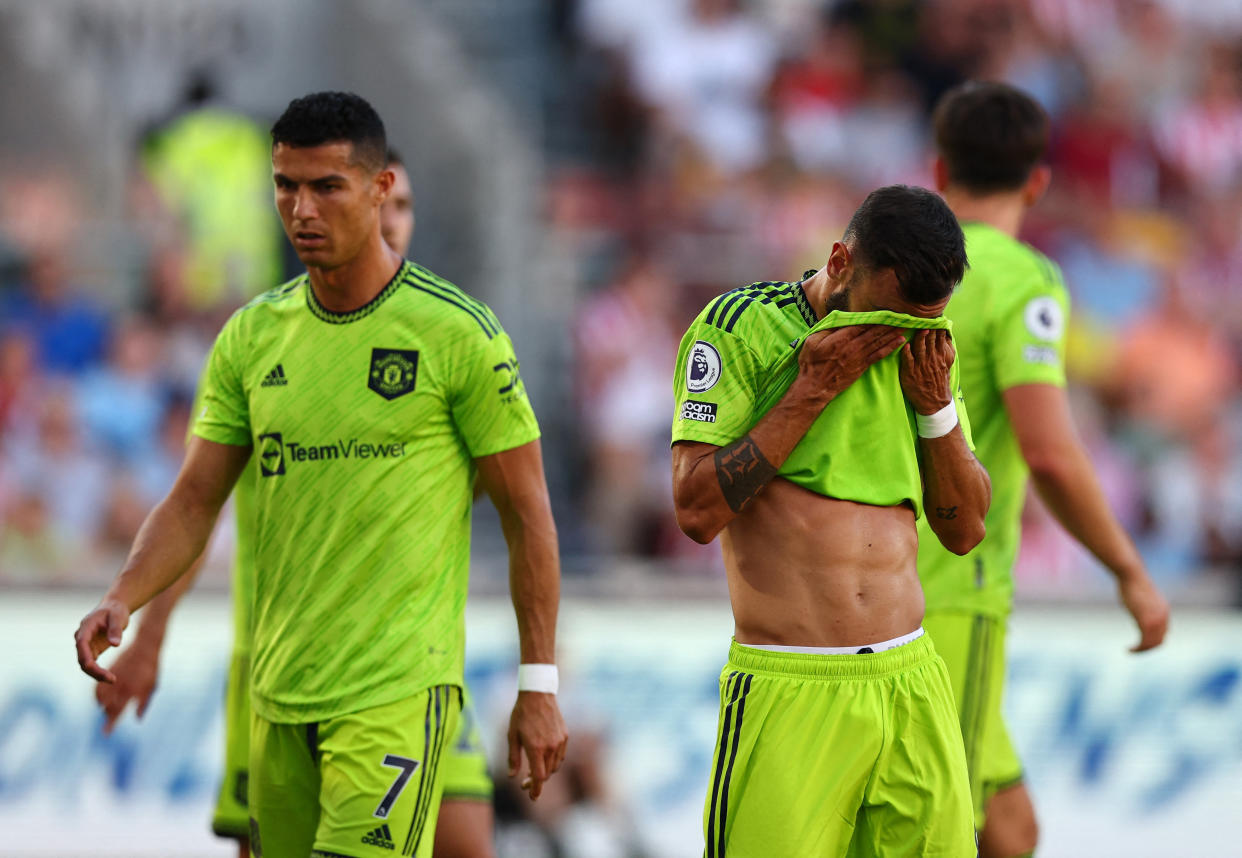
[{"x": 393, "y": 372}]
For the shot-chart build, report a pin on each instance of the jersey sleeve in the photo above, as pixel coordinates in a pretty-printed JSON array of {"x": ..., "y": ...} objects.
[
  {"x": 1029, "y": 331},
  {"x": 488, "y": 399},
  {"x": 223, "y": 411},
  {"x": 716, "y": 386}
]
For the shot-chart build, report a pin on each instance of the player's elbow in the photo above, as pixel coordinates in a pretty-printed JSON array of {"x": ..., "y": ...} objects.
[
  {"x": 697, "y": 524},
  {"x": 963, "y": 539},
  {"x": 695, "y": 518}
]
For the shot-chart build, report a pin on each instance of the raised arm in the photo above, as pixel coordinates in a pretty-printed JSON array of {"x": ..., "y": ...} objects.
[
  {"x": 956, "y": 488},
  {"x": 172, "y": 537},
  {"x": 1066, "y": 481},
  {"x": 514, "y": 480},
  {"x": 712, "y": 485}
]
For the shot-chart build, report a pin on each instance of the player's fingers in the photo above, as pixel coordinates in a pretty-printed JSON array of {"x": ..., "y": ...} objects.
[
  {"x": 116, "y": 625},
  {"x": 1152, "y": 634},
  {"x": 538, "y": 771},
  {"x": 87, "y": 655},
  {"x": 112, "y": 712},
  {"x": 515, "y": 753},
  {"x": 144, "y": 700}
]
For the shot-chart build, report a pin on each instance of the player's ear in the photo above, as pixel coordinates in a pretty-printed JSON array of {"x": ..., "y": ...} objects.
[
  {"x": 839, "y": 261},
  {"x": 940, "y": 174},
  {"x": 382, "y": 187},
  {"x": 1036, "y": 184}
]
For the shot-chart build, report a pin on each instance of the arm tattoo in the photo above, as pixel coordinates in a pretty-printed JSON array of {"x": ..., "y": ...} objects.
[
  {"x": 742, "y": 471},
  {"x": 946, "y": 512}
]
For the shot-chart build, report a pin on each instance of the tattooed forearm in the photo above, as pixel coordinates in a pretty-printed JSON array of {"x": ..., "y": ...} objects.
[
  {"x": 946, "y": 512},
  {"x": 742, "y": 471}
]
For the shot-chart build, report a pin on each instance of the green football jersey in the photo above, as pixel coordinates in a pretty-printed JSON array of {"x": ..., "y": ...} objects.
[
  {"x": 1009, "y": 315},
  {"x": 365, "y": 426},
  {"x": 740, "y": 356}
]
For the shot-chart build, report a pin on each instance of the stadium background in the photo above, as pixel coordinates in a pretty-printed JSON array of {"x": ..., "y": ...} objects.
[{"x": 596, "y": 169}]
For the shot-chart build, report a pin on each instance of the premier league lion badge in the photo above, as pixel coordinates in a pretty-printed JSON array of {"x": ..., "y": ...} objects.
[
  {"x": 393, "y": 372},
  {"x": 702, "y": 367}
]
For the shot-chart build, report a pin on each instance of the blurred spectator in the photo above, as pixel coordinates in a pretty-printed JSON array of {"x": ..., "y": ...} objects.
[
  {"x": 68, "y": 330},
  {"x": 625, "y": 348},
  {"x": 18, "y": 380},
  {"x": 706, "y": 72},
  {"x": 63, "y": 482},
  {"x": 211, "y": 168},
  {"x": 1201, "y": 138},
  {"x": 121, "y": 402}
]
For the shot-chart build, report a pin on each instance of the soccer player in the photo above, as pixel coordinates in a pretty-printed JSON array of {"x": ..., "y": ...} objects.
[
  {"x": 811, "y": 448},
  {"x": 464, "y": 827},
  {"x": 374, "y": 392},
  {"x": 1009, "y": 317}
]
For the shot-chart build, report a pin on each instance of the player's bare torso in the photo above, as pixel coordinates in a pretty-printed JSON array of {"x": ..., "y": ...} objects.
[{"x": 809, "y": 570}]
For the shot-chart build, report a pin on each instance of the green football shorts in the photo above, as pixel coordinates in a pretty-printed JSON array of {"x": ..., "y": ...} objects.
[
  {"x": 359, "y": 785},
  {"x": 973, "y": 649},
  {"x": 232, "y": 816},
  {"x": 466, "y": 777},
  {"x": 838, "y": 755}
]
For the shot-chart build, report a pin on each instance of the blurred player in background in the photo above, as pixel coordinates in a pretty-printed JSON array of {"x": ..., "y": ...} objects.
[
  {"x": 1010, "y": 316},
  {"x": 464, "y": 828},
  {"x": 362, "y": 536},
  {"x": 812, "y": 449}
]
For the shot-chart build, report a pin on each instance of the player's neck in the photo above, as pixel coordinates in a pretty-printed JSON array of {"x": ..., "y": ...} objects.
[
  {"x": 352, "y": 285},
  {"x": 1003, "y": 211}
]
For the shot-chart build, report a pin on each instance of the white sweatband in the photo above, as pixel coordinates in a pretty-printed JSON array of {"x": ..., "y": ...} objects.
[
  {"x": 938, "y": 424},
  {"x": 538, "y": 677}
]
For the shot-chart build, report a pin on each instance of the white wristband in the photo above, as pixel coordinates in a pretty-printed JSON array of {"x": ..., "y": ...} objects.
[
  {"x": 938, "y": 424},
  {"x": 538, "y": 677}
]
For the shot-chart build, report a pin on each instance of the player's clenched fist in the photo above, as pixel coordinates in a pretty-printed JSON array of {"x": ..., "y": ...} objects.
[
  {"x": 537, "y": 729},
  {"x": 100, "y": 629},
  {"x": 925, "y": 364},
  {"x": 835, "y": 359}
]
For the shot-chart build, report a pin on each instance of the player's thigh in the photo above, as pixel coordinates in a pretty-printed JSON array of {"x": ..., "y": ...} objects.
[
  {"x": 232, "y": 814},
  {"x": 1011, "y": 830},
  {"x": 919, "y": 803},
  {"x": 381, "y": 776},
  {"x": 283, "y": 789},
  {"x": 464, "y": 829},
  {"x": 790, "y": 765}
]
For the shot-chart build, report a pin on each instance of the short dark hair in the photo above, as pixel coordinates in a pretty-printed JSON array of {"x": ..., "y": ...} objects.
[
  {"x": 991, "y": 135},
  {"x": 393, "y": 158},
  {"x": 913, "y": 232},
  {"x": 334, "y": 117}
]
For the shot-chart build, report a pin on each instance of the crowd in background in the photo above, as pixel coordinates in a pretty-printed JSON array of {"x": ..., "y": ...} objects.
[{"x": 725, "y": 142}]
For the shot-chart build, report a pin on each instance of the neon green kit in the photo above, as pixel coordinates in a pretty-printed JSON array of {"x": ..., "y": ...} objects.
[
  {"x": 365, "y": 425},
  {"x": 1009, "y": 317},
  {"x": 1009, "y": 314},
  {"x": 735, "y": 365},
  {"x": 823, "y": 754}
]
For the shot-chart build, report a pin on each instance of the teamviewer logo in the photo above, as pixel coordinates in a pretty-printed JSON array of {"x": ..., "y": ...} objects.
[{"x": 271, "y": 454}]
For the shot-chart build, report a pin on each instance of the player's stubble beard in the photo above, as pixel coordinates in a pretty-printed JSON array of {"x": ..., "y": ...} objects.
[{"x": 838, "y": 300}]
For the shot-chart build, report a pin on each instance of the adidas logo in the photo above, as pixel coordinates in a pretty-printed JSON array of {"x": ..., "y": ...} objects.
[
  {"x": 379, "y": 837},
  {"x": 275, "y": 378}
]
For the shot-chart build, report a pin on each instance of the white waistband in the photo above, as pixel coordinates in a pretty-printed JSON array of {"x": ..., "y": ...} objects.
[{"x": 842, "y": 650}]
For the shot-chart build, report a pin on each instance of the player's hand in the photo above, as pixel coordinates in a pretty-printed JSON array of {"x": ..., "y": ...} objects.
[
  {"x": 1148, "y": 607},
  {"x": 536, "y": 729},
  {"x": 925, "y": 364},
  {"x": 100, "y": 629},
  {"x": 135, "y": 672},
  {"x": 833, "y": 360}
]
